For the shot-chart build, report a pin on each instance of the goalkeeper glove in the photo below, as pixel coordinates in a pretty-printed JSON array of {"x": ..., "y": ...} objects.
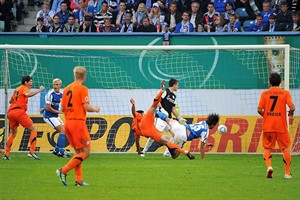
[{"x": 181, "y": 120}]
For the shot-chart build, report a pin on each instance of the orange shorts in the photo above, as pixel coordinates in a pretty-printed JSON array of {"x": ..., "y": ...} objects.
[
  {"x": 147, "y": 127},
  {"x": 77, "y": 134},
  {"x": 17, "y": 117},
  {"x": 269, "y": 139}
]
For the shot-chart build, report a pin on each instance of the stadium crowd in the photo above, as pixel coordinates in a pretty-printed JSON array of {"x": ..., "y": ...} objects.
[{"x": 179, "y": 16}]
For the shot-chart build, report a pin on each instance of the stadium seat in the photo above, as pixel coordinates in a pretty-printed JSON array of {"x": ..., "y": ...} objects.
[
  {"x": 1, "y": 26},
  {"x": 241, "y": 12},
  {"x": 247, "y": 23}
]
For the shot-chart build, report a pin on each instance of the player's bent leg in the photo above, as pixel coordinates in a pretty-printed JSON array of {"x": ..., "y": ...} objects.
[{"x": 171, "y": 146}]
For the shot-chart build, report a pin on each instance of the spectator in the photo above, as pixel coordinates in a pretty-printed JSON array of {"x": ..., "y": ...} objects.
[
  {"x": 284, "y": 17},
  {"x": 218, "y": 25},
  {"x": 56, "y": 27},
  {"x": 140, "y": 13},
  {"x": 87, "y": 26},
  {"x": 114, "y": 5},
  {"x": 233, "y": 25},
  {"x": 102, "y": 15},
  {"x": 46, "y": 14},
  {"x": 74, "y": 5},
  {"x": 196, "y": 15},
  {"x": 39, "y": 27},
  {"x": 5, "y": 14},
  {"x": 148, "y": 3},
  {"x": 107, "y": 26},
  {"x": 295, "y": 26},
  {"x": 156, "y": 18},
  {"x": 146, "y": 26},
  {"x": 209, "y": 17},
  {"x": 83, "y": 11},
  {"x": 172, "y": 16},
  {"x": 129, "y": 25},
  {"x": 257, "y": 26},
  {"x": 20, "y": 10},
  {"x": 228, "y": 11},
  {"x": 162, "y": 6},
  {"x": 120, "y": 14},
  {"x": 71, "y": 26},
  {"x": 96, "y": 5},
  {"x": 220, "y": 6},
  {"x": 184, "y": 5},
  {"x": 185, "y": 26},
  {"x": 63, "y": 13},
  {"x": 272, "y": 26},
  {"x": 56, "y": 5},
  {"x": 266, "y": 12}
]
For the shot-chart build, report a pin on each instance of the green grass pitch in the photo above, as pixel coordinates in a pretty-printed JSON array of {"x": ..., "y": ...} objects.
[{"x": 128, "y": 176}]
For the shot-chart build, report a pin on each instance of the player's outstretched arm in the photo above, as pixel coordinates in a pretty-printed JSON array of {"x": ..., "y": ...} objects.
[
  {"x": 202, "y": 149},
  {"x": 132, "y": 107},
  {"x": 32, "y": 93}
]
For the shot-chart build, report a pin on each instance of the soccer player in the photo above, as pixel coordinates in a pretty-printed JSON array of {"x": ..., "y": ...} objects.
[
  {"x": 168, "y": 105},
  {"x": 50, "y": 116},
  {"x": 187, "y": 132},
  {"x": 143, "y": 125},
  {"x": 272, "y": 107},
  {"x": 75, "y": 103},
  {"x": 17, "y": 115}
]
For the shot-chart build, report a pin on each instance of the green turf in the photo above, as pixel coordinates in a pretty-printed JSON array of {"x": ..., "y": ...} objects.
[{"x": 128, "y": 176}]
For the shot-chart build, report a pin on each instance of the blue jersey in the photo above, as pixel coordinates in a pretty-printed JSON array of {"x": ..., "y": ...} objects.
[
  {"x": 197, "y": 130},
  {"x": 54, "y": 100}
]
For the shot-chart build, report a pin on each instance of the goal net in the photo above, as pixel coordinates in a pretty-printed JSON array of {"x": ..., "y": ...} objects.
[{"x": 224, "y": 79}]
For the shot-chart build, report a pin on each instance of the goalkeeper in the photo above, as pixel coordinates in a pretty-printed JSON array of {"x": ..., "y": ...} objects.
[
  {"x": 167, "y": 105},
  {"x": 187, "y": 132}
]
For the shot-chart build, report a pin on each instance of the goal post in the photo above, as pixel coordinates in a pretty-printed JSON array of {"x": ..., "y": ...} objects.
[{"x": 226, "y": 79}]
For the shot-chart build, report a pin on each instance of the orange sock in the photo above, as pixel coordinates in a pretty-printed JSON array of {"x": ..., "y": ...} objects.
[
  {"x": 32, "y": 140},
  {"x": 78, "y": 173},
  {"x": 157, "y": 98},
  {"x": 287, "y": 161},
  {"x": 9, "y": 142},
  {"x": 75, "y": 161},
  {"x": 176, "y": 147},
  {"x": 268, "y": 157}
]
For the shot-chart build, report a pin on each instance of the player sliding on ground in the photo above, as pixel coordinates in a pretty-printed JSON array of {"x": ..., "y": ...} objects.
[
  {"x": 187, "y": 132},
  {"x": 143, "y": 125}
]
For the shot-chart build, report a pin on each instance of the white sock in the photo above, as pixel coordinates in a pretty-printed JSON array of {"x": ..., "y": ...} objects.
[{"x": 148, "y": 144}]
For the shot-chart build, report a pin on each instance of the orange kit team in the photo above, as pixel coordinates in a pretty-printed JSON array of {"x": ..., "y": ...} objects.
[
  {"x": 272, "y": 107},
  {"x": 143, "y": 125},
  {"x": 17, "y": 116},
  {"x": 75, "y": 103}
]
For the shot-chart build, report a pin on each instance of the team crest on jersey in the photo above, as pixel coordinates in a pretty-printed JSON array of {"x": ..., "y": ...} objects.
[{"x": 87, "y": 99}]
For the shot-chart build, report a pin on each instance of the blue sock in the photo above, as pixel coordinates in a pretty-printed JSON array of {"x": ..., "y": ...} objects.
[
  {"x": 161, "y": 115},
  {"x": 61, "y": 141}
]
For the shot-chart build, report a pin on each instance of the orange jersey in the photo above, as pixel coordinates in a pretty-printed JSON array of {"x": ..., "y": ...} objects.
[
  {"x": 136, "y": 123},
  {"x": 19, "y": 99},
  {"x": 74, "y": 97},
  {"x": 273, "y": 102}
]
